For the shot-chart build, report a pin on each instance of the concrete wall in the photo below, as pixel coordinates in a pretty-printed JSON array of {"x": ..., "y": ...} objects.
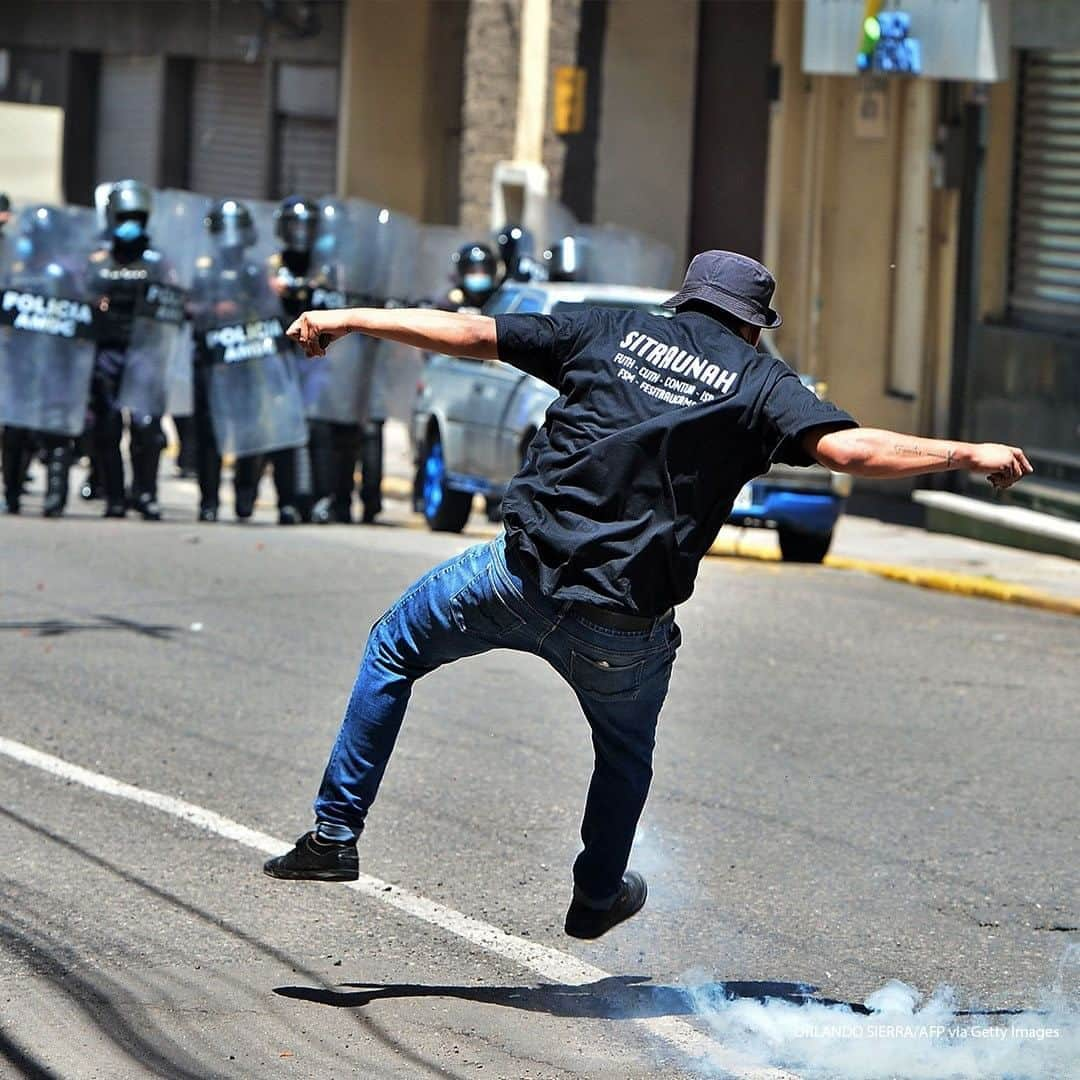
[
  {"x": 645, "y": 150},
  {"x": 400, "y": 116},
  {"x": 996, "y": 211},
  {"x": 381, "y": 126},
  {"x": 489, "y": 109},
  {"x": 862, "y": 243}
]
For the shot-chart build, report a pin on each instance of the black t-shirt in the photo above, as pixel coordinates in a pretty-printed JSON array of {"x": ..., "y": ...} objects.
[{"x": 658, "y": 424}]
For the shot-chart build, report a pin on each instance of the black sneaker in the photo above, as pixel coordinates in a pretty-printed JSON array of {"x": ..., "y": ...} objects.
[
  {"x": 587, "y": 922},
  {"x": 316, "y": 860}
]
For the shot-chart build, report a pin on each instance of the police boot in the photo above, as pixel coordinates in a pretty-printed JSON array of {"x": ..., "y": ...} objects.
[
  {"x": 246, "y": 474},
  {"x": 322, "y": 513},
  {"x": 91, "y": 485},
  {"x": 56, "y": 471},
  {"x": 109, "y": 466},
  {"x": 13, "y": 468},
  {"x": 146, "y": 442},
  {"x": 321, "y": 453}
]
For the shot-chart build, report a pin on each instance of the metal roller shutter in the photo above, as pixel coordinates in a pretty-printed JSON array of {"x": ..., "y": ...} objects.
[
  {"x": 307, "y": 156},
  {"x": 229, "y": 121},
  {"x": 129, "y": 127},
  {"x": 1045, "y": 277}
]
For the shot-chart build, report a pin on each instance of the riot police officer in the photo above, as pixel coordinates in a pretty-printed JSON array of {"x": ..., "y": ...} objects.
[
  {"x": 563, "y": 260},
  {"x": 475, "y": 269},
  {"x": 48, "y": 388},
  {"x": 516, "y": 250},
  {"x": 225, "y": 283},
  {"x": 295, "y": 224},
  {"x": 331, "y": 385},
  {"x": 12, "y": 485},
  {"x": 119, "y": 274}
]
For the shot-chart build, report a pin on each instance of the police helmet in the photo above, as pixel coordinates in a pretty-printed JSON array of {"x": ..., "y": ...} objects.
[
  {"x": 516, "y": 246},
  {"x": 563, "y": 260},
  {"x": 475, "y": 266},
  {"x": 296, "y": 220},
  {"x": 43, "y": 222},
  {"x": 127, "y": 198},
  {"x": 333, "y": 218},
  {"x": 230, "y": 223},
  {"x": 42, "y": 232},
  {"x": 515, "y": 240}
]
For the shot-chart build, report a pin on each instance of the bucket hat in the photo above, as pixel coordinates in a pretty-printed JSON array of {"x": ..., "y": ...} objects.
[{"x": 732, "y": 282}]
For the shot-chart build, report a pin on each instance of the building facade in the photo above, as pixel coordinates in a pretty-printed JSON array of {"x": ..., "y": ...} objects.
[{"x": 924, "y": 230}]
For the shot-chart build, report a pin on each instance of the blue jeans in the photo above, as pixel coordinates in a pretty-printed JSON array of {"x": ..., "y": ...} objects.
[{"x": 476, "y": 602}]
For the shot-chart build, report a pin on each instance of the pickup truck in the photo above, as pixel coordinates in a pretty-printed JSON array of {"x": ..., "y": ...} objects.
[{"x": 473, "y": 420}]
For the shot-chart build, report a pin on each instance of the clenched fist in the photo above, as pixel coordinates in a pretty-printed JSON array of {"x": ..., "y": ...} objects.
[
  {"x": 315, "y": 331},
  {"x": 1001, "y": 465}
]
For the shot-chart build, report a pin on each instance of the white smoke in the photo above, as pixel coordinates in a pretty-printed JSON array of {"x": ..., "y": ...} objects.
[
  {"x": 899, "y": 1036},
  {"x": 895, "y": 1034}
]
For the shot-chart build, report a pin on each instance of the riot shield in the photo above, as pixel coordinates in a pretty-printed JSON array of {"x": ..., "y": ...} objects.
[
  {"x": 156, "y": 338},
  {"x": 176, "y": 228},
  {"x": 391, "y": 369},
  {"x": 47, "y": 322},
  {"x": 255, "y": 400},
  {"x": 357, "y": 253}
]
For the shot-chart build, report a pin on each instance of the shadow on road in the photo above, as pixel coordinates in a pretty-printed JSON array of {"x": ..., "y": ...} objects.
[
  {"x": 25, "y": 1065},
  {"x": 111, "y": 1006},
  {"x": 60, "y": 627},
  {"x": 619, "y": 997}
]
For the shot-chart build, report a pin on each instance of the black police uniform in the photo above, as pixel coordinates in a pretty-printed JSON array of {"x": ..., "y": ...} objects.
[
  {"x": 333, "y": 445},
  {"x": 219, "y": 279},
  {"x": 288, "y": 272},
  {"x": 46, "y": 277},
  {"x": 118, "y": 275}
]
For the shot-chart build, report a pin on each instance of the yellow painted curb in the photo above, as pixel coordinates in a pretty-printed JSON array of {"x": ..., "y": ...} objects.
[
  {"x": 960, "y": 584},
  {"x": 939, "y": 580}
]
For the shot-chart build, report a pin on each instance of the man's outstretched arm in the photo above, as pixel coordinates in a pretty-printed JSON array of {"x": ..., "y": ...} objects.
[
  {"x": 453, "y": 333},
  {"x": 879, "y": 453}
]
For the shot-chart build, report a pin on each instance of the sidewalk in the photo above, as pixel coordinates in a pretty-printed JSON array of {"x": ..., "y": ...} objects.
[{"x": 933, "y": 560}]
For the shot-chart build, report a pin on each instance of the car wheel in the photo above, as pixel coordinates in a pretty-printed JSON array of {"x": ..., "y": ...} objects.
[
  {"x": 444, "y": 509},
  {"x": 804, "y": 547}
]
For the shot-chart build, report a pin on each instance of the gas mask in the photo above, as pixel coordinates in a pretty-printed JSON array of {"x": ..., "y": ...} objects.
[
  {"x": 128, "y": 232},
  {"x": 477, "y": 283}
]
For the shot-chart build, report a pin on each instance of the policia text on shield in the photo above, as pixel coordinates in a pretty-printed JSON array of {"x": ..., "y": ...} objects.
[{"x": 621, "y": 494}]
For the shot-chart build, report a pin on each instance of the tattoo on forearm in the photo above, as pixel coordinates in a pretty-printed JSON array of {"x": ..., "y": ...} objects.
[{"x": 914, "y": 450}]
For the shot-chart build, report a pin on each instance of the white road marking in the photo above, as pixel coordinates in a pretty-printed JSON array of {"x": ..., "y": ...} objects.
[{"x": 540, "y": 959}]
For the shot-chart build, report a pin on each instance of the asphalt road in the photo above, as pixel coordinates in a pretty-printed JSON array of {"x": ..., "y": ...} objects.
[{"x": 856, "y": 781}]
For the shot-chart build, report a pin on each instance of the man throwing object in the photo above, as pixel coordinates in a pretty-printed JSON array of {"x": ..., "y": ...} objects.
[{"x": 658, "y": 424}]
